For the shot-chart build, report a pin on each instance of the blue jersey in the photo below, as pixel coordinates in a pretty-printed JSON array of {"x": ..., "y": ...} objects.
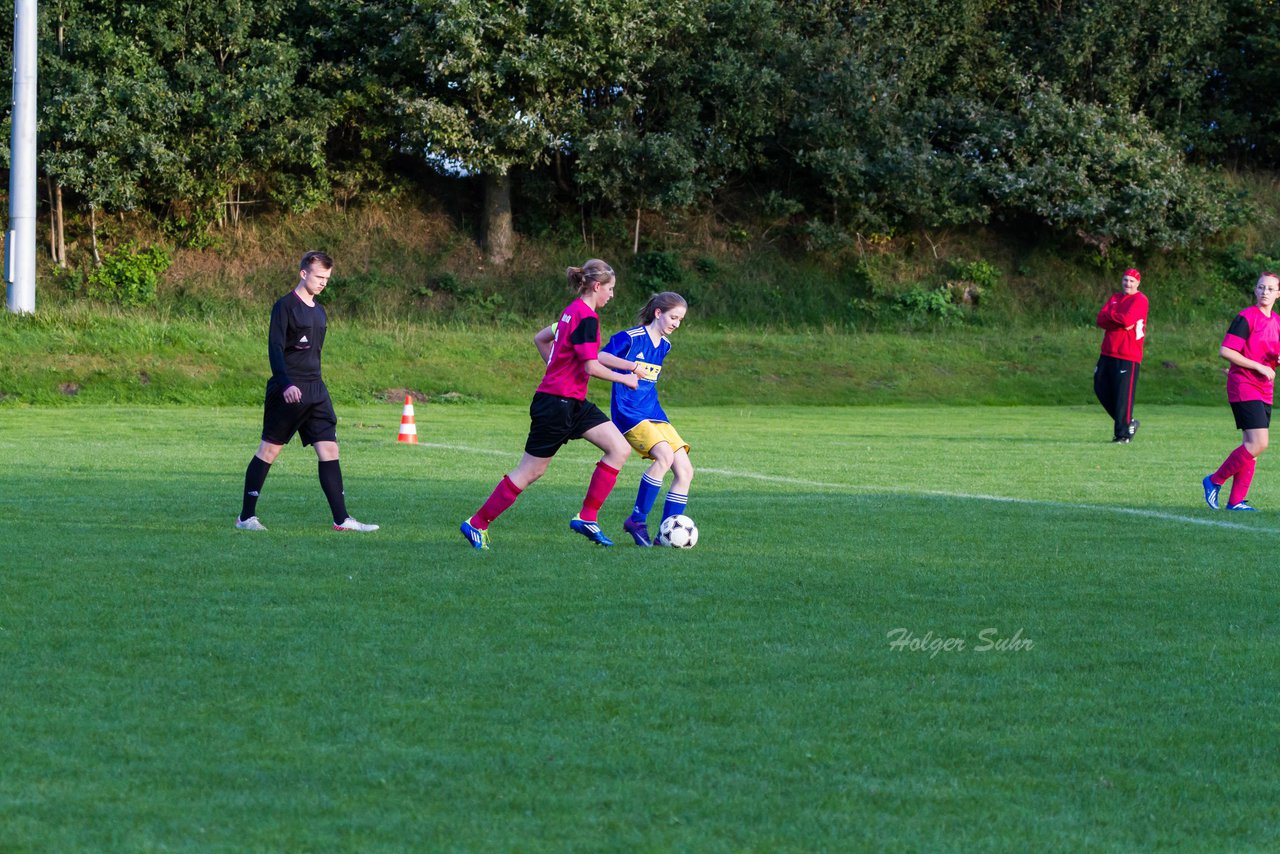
[{"x": 630, "y": 407}]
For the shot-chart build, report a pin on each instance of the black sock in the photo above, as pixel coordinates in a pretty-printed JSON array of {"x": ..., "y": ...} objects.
[
  {"x": 254, "y": 477},
  {"x": 331, "y": 483}
]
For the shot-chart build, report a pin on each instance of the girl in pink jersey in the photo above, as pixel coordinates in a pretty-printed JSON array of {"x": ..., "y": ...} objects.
[
  {"x": 1252, "y": 346},
  {"x": 561, "y": 412}
]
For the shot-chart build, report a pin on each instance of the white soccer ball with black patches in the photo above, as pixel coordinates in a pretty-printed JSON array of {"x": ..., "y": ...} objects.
[{"x": 678, "y": 532}]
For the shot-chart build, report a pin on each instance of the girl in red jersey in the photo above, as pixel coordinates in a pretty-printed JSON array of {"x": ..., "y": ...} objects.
[
  {"x": 1252, "y": 346},
  {"x": 560, "y": 410},
  {"x": 1115, "y": 379}
]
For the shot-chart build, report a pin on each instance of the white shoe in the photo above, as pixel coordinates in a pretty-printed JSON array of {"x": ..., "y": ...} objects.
[
  {"x": 352, "y": 525},
  {"x": 250, "y": 524}
]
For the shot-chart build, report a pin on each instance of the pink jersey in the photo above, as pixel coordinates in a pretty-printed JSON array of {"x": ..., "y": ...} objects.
[
  {"x": 577, "y": 342},
  {"x": 1256, "y": 336}
]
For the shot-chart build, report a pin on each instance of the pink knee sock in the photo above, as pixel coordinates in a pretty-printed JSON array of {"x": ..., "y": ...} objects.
[
  {"x": 602, "y": 481},
  {"x": 1242, "y": 480},
  {"x": 1232, "y": 464},
  {"x": 503, "y": 496}
]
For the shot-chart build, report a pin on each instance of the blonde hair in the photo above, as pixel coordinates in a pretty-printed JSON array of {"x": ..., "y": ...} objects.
[{"x": 582, "y": 278}]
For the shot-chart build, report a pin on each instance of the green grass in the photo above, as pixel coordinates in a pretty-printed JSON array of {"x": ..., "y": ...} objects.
[
  {"x": 86, "y": 357},
  {"x": 170, "y": 683}
]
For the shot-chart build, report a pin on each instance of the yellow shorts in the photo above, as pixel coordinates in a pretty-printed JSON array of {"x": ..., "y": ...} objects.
[{"x": 646, "y": 434}]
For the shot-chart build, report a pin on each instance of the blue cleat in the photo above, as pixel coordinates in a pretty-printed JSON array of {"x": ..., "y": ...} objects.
[
  {"x": 479, "y": 539},
  {"x": 1242, "y": 505},
  {"x": 590, "y": 530},
  {"x": 638, "y": 531},
  {"x": 1210, "y": 492}
]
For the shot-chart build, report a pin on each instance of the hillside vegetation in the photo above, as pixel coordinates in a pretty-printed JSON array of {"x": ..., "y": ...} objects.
[
  {"x": 862, "y": 202},
  {"x": 934, "y": 316},
  {"x": 1106, "y": 124}
]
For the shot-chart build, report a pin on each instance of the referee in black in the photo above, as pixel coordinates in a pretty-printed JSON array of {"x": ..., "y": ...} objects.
[{"x": 297, "y": 400}]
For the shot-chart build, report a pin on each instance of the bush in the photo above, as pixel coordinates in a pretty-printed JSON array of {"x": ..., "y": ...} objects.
[
  {"x": 919, "y": 306},
  {"x": 657, "y": 270},
  {"x": 359, "y": 292},
  {"x": 972, "y": 282},
  {"x": 128, "y": 277},
  {"x": 1099, "y": 172}
]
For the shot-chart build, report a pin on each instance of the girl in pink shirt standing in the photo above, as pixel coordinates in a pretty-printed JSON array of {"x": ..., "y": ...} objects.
[
  {"x": 561, "y": 412},
  {"x": 1252, "y": 346}
]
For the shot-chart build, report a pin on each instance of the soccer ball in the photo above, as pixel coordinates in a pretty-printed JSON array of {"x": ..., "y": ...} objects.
[{"x": 678, "y": 532}]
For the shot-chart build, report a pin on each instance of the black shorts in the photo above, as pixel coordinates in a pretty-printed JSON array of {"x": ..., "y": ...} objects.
[
  {"x": 1251, "y": 414},
  {"x": 312, "y": 418},
  {"x": 555, "y": 420}
]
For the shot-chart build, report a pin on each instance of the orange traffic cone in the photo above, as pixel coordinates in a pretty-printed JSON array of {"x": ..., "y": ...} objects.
[{"x": 408, "y": 430}]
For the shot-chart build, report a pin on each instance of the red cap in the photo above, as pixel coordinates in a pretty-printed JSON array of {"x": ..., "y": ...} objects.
[{"x": 1134, "y": 273}]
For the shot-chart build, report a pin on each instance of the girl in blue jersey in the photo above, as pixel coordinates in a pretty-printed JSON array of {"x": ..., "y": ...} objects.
[{"x": 640, "y": 417}]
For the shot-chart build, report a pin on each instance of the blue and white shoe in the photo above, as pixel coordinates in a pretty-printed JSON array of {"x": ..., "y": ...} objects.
[
  {"x": 1210, "y": 492},
  {"x": 639, "y": 532},
  {"x": 479, "y": 539},
  {"x": 590, "y": 530},
  {"x": 1242, "y": 505}
]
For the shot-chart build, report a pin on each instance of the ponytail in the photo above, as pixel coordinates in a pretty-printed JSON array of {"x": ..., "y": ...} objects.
[
  {"x": 664, "y": 301},
  {"x": 582, "y": 278}
]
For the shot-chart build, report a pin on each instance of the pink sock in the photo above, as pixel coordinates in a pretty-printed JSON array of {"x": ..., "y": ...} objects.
[
  {"x": 1242, "y": 480},
  {"x": 504, "y": 495},
  {"x": 1232, "y": 464},
  {"x": 602, "y": 481}
]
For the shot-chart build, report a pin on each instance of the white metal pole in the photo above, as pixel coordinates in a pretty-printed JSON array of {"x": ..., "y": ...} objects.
[{"x": 20, "y": 239}]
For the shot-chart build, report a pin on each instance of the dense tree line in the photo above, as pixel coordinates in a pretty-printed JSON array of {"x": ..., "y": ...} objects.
[{"x": 1104, "y": 119}]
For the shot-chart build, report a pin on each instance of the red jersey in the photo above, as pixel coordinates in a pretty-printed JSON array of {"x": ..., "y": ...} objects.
[
  {"x": 577, "y": 342},
  {"x": 1120, "y": 313},
  {"x": 1256, "y": 336}
]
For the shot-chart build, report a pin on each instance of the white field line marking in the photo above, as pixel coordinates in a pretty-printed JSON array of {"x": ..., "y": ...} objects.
[
  {"x": 486, "y": 451},
  {"x": 1132, "y": 511},
  {"x": 933, "y": 493}
]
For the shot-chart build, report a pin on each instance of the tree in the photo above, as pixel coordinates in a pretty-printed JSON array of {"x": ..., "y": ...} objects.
[
  {"x": 1237, "y": 116},
  {"x": 705, "y": 104},
  {"x": 1103, "y": 173},
  {"x": 505, "y": 86},
  {"x": 103, "y": 112},
  {"x": 884, "y": 92},
  {"x": 362, "y": 83},
  {"x": 937, "y": 112},
  {"x": 240, "y": 117}
]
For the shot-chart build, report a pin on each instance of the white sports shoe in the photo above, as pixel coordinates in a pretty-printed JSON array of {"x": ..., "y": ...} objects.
[
  {"x": 250, "y": 524},
  {"x": 352, "y": 525}
]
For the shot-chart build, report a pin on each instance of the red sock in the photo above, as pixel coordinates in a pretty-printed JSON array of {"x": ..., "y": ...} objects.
[
  {"x": 602, "y": 481},
  {"x": 503, "y": 496},
  {"x": 1232, "y": 464},
  {"x": 1242, "y": 480}
]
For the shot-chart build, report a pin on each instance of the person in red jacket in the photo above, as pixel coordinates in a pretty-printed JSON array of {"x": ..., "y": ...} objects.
[{"x": 1115, "y": 379}]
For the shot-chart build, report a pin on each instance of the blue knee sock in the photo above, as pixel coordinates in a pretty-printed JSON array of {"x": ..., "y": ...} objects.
[
  {"x": 675, "y": 504},
  {"x": 645, "y": 496}
]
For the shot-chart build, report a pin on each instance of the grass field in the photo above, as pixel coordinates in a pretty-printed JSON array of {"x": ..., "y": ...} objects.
[
  {"x": 170, "y": 683},
  {"x": 81, "y": 356}
]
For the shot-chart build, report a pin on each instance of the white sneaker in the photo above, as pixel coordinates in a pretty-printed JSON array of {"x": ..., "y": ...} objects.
[
  {"x": 352, "y": 525},
  {"x": 250, "y": 524}
]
